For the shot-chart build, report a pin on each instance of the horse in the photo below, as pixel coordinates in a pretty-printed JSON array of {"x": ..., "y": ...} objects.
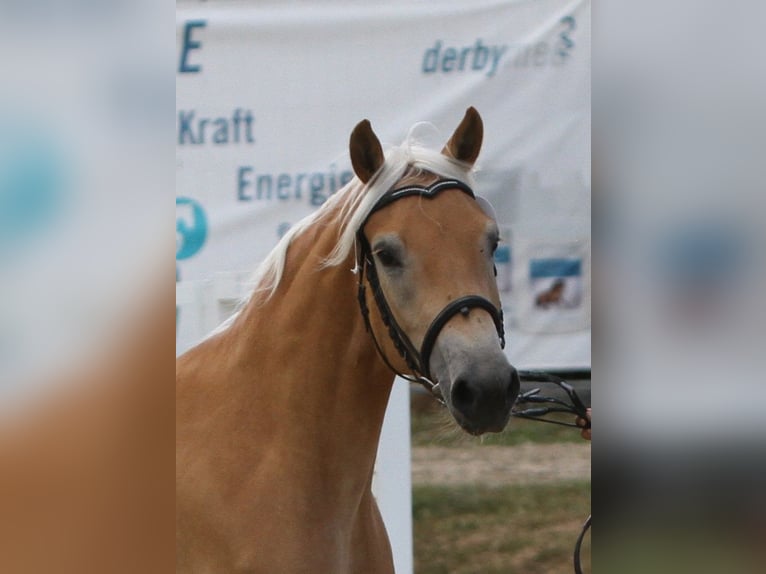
[{"x": 279, "y": 411}]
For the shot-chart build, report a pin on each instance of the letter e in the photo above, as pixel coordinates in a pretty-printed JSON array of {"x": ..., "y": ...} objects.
[{"x": 189, "y": 45}]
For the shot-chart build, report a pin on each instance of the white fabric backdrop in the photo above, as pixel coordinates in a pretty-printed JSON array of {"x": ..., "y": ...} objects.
[{"x": 268, "y": 92}]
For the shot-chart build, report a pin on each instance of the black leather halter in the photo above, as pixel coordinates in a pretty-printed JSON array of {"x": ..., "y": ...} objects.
[{"x": 417, "y": 360}]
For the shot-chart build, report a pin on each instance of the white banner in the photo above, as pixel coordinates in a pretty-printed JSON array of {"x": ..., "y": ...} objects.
[{"x": 268, "y": 92}]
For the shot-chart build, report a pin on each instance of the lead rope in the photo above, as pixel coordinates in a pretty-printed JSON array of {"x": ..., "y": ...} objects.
[
  {"x": 578, "y": 545},
  {"x": 576, "y": 407}
]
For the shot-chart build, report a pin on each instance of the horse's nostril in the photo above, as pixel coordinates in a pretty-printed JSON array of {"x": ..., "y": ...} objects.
[{"x": 462, "y": 396}]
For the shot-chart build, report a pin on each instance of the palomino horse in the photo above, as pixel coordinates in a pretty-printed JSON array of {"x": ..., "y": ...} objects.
[{"x": 279, "y": 412}]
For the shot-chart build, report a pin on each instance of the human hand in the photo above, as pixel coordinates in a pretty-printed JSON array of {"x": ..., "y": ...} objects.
[{"x": 585, "y": 425}]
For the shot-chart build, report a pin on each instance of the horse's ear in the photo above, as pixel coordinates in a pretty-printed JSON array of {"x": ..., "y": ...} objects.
[
  {"x": 366, "y": 152},
  {"x": 465, "y": 143}
]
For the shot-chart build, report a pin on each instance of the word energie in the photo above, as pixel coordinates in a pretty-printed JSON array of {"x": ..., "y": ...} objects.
[{"x": 315, "y": 186}]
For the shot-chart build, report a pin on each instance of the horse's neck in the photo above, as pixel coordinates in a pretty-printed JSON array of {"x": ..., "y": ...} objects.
[{"x": 307, "y": 371}]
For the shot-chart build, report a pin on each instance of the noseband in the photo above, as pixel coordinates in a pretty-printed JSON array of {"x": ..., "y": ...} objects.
[{"x": 417, "y": 360}]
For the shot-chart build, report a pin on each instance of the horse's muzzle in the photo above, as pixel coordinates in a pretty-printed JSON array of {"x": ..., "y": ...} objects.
[{"x": 483, "y": 403}]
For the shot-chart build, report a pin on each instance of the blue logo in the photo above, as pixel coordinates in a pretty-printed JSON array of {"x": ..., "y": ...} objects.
[
  {"x": 703, "y": 254},
  {"x": 32, "y": 184},
  {"x": 191, "y": 227}
]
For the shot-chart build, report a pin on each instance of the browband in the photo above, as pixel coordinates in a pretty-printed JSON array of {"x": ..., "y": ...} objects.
[{"x": 428, "y": 192}]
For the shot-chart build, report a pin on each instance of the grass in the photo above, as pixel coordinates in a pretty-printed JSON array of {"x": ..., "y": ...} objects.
[
  {"x": 524, "y": 529},
  {"x": 432, "y": 425},
  {"x": 682, "y": 549},
  {"x": 529, "y": 529}
]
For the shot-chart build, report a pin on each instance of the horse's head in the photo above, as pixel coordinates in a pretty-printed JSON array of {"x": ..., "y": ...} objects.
[{"x": 428, "y": 252}]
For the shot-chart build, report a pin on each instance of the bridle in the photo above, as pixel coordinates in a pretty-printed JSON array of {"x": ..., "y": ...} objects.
[{"x": 417, "y": 360}]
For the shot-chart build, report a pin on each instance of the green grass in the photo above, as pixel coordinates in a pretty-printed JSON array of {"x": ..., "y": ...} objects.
[
  {"x": 524, "y": 529},
  {"x": 529, "y": 529},
  {"x": 682, "y": 549},
  {"x": 432, "y": 425}
]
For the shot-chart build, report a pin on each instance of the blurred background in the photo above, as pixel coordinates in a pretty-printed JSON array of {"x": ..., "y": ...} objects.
[
  {"x": 678, "y": 224},
  {"x": 674, "y": 278},
  {"x": 86, "y": 319},
  {"x": 85, "y": 143}
]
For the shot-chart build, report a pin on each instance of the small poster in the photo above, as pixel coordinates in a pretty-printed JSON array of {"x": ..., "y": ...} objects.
[
  {"x": 551, "y": 291},
  {"x": 556, "y": 283}
]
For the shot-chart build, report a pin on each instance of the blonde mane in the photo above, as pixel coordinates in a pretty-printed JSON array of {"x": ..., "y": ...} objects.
[{"x": 349, "y": 207}]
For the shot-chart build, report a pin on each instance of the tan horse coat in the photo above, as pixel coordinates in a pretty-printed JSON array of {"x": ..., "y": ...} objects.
[{"x": 275, "y": 476}]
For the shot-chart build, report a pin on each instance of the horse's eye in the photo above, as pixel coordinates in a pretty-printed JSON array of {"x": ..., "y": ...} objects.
[{"x": 388, "y": 258}]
